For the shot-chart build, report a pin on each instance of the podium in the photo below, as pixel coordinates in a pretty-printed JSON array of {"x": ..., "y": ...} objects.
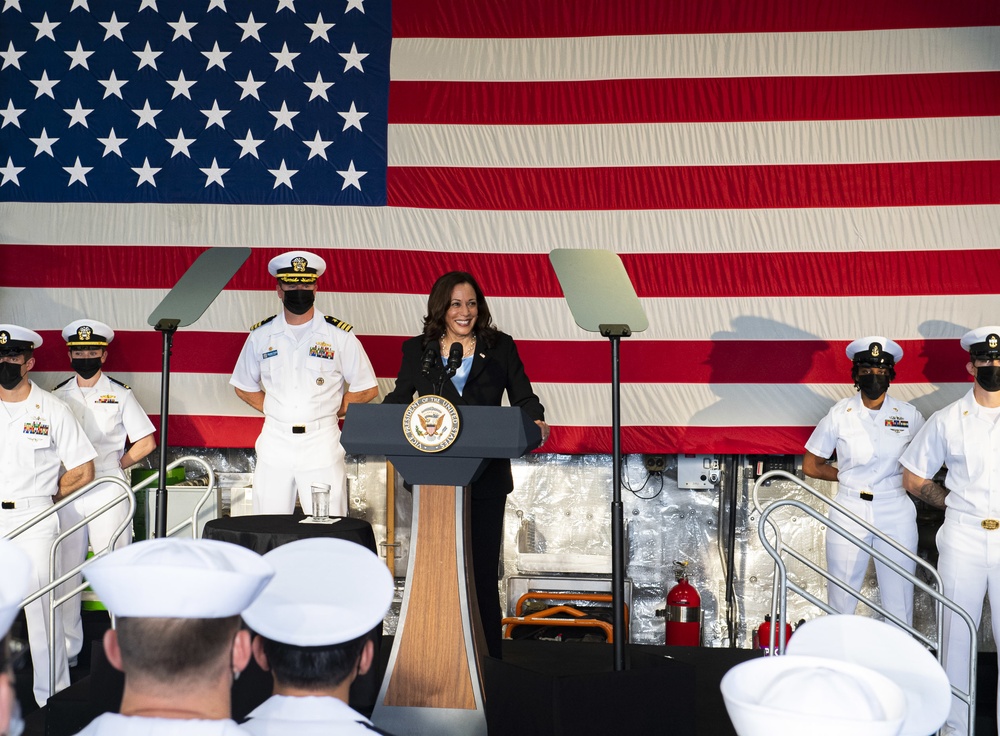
[{"x": 433, "y": 682}]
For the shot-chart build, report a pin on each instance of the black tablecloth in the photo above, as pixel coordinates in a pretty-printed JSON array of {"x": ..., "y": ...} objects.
[{"x": 264, "y": 533}]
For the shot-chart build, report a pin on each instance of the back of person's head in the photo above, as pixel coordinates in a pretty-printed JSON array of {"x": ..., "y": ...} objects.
[
  {"x": 313, "y": 668},
  {"x": 316, "y": 615},
  {"x": 175, "y": 651}
]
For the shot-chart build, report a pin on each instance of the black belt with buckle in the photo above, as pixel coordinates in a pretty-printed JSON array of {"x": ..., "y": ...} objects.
[
  {"x": 866, "y": 496},
  {"x": 8, "y": 505},
  {"x": 298, "y": 429}
]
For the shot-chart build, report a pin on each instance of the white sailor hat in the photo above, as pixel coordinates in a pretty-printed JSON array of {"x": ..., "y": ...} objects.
[
  {"x": 179, "y": 578},
  {"x": 324, "y": 591},
  {"x": 886, "y": 649},
  {"x": 983, "y": 342},
  {"x": 87, "y": 333},
  {"x": 15, "y": 583},
  {"x": 791, "y": 695},
  {"x": 15, "y": 339},
  {"x": 875, "y": 350},
  {"x": 297, "y": 267}
]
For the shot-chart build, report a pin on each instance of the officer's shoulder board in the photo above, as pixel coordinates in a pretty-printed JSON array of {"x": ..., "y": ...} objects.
[
  {"x": 120, "y": 383},
  {"x": 64, "y": 382},
  {"x": 263, "y": 322},
  {"x": 345, "y": 326}
]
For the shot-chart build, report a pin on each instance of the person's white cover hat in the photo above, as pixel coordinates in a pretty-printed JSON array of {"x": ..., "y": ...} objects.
[
  {"x": 888, "y": 650},
  {"x": 324, "y": 591},
  {"x": 179, "y": 578},
  {"x": 795, "y": 695},
  {"x": 15, "y": 582},
  {"x": 87, "y": 333},
  {"x": 875, "y": 350}
]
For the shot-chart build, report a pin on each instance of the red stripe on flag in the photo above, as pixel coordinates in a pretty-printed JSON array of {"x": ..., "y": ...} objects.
[
  {"x": 938, "y": 183},
  {"x": 533, "y": 19},
  {"x": 723, "y": 361},
  {"x": 530, "y": 275},
  {"x": 695, "y": 100}
]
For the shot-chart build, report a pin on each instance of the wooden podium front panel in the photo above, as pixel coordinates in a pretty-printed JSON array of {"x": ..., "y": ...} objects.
[{"x": 432, "y": 664}]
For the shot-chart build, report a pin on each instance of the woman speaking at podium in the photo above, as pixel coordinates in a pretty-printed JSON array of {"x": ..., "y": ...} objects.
[{"x": 459, "y": 336}]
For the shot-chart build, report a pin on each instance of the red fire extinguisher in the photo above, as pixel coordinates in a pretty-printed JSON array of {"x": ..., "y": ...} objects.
[
  {"x": 763, "y": 635},
  {"x": 683, "y": 612}
]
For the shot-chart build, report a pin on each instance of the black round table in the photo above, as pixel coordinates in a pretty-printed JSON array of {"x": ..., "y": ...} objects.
[{"x": 265, "y": 532}]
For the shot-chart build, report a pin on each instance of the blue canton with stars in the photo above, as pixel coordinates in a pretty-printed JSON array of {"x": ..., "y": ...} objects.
[{"x": 213, "y": 102}]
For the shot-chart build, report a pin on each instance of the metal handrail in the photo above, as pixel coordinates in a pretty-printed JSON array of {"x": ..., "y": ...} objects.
[
  {"x": 193, "y": 521},
  {"x": 781, "y": 582},
  {"x": 129, "y": 495},
  {"x": 55, "y": 582}
]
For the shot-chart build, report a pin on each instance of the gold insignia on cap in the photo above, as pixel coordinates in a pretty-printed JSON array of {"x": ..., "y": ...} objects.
[
  {"x": 4, "y": 337},
  {"x": 993, "y": 341},
  {"x": 299, "y": 264},
  {"x": 84, "y": 333},
  {"x": 875, "y": 349}
]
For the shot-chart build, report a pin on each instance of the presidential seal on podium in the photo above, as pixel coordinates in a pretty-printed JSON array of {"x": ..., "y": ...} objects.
[{"x": 431, "y": 423}]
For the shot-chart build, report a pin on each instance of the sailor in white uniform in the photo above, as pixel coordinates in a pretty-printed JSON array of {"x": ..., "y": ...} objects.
[
  {"x": 15, "y": 584},
  {"x": 45, "y": 456},
  {"x": 965, "y": 437},
  {"x": 313, "y": 627},
  {"x": 296, "y": 368},
  {"x": 110, "y": 414},
  {"x": 868, "y": 432},
  {"x": 179, "y": 641}
]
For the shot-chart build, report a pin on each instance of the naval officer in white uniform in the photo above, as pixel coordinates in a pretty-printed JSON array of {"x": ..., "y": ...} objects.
[
  {"x": 965, "y": 437},
  {"x": 179, "y": 640},
  {"x": 313, "y": 629},
  {"x": 868, "y": 432},
  {"x": 110, "y": 415},
  {"x": 45, "y": 456},
  {"x": 301, "y": 369}
]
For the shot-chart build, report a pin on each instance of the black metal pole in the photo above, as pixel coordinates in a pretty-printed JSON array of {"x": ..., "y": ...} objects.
[
  {"x": 615, "y": 333},
  {"x": 168, "y": 327}
]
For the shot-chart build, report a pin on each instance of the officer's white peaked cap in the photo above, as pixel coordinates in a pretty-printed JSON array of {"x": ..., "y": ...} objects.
[
  {"x": 179, "y": 578},
  {"x": 324, "y": 591},
  {"x": 84, "y": 333},
  {"x": 297, "y": 267}
]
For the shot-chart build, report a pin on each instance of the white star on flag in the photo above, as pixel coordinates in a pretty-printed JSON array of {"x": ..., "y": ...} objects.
[
  {"x": 146, "y": 173},
  {"x": 181, "y": 86},
  {"x": 214, "y": 174},
  {"x": 43, "y": 144},
  {"x": 11, "y": 114},
  {"x": 319, "y": 88},
  {"x": 11, "y": 56},
  {"x": 113, "y": 86},
  {"x": 216, "y": 57},
  {"x": 353, "y": 59},
  {"x": 250, "y": 87},
  {"x": 182, "y": 28},
  {"x": 10, "y": 172},
  {"x": 352, "y": 177},
  {"x": 79, "y": 56},
  {"x": 180, "y": 144},
  {"x": 319, "y": 29},
  {"x": 352, "y": 118},
  {"x": 147, "y": 57},
  {"x": 45, "y": 28},
  {"x": 283, "y": 175},
  {"x": 44, "y": 86},
  {"x": 317, "y": 147},
  {"x": 249, "y": 145},
  {"x": 77, "y": 172},
  {"x": 112, "y": 144},
  {"x": 78, "y": 115},
  {"x": 283, "y": 117},
  {"x": 215, "y": 116},
  {"x": 284, "y": 58},
  {"x": 113, "y": 28},
  {"x": 147, "y": 115},
  {"x": 250, "y": 28}
]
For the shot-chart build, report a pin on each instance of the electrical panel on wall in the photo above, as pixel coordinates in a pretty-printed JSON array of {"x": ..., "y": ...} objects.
[{"x": 698, "y": 472}]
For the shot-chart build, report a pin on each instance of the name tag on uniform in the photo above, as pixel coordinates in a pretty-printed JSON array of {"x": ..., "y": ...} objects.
[{"x": 269, "y": 354}]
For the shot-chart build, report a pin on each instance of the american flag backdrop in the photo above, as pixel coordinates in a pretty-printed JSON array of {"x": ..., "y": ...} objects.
[{"x": 780, "y": 177}]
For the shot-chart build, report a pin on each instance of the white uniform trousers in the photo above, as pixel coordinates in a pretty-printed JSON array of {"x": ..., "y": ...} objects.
[
  {"x": 288, "y": 463},
  {"x": 969, "y": 564},
  {"x": 73, "y": 550},
  {"x": 895, "y": 517},
  {"x": 36, "y": 543}
]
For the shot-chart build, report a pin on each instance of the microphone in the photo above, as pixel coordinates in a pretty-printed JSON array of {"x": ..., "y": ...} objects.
[
  {"x": 429, "y": 359},
  {"x": 454, "y": 358}
]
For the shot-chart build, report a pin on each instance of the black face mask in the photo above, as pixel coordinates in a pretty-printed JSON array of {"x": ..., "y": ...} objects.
[
  {"x": 988, "y": 376},
  {"x": 299, "y": 301},
  {"x": 86, "y": 367},
  {"x": 873, "y": 386},
  {"x": 10, "y": 375}
]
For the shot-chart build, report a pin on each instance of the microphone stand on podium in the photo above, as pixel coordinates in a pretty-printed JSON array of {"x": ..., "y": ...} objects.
[{"x": 434, "y": 682}]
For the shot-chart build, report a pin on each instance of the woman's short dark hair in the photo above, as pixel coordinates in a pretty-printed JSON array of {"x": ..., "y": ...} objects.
[{"x": 439, "y": 301}]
